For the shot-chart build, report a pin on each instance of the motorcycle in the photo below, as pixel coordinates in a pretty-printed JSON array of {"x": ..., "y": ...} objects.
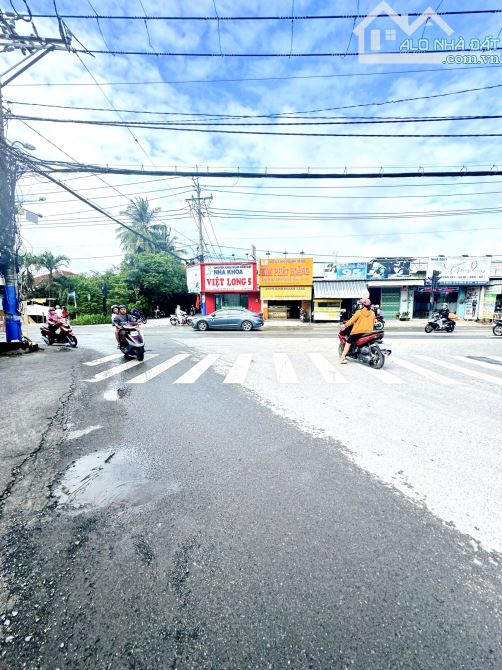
[
  {"x": 132, "y": 343},
  {"x": 185, "y": 320},
  {"x": 497, "y": 327},
  {"x": 366, "y": 349},
  {"x": 438, "y": 323},
  {"x": 379, "y": 323},
  {"x": 303, "y": 316},
  {"x": 139, "y": 316},
  {"x": 63, "y": 335}
]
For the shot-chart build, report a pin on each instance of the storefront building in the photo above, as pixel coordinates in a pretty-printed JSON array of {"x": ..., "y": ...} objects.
[
  {"x": 337, "y": 289},
  {"x": 461, "y": 283},
  {"x": 285, "y": 286},
  {"x": 491, "y": 296},
  {"x": 225, "y": 284}
]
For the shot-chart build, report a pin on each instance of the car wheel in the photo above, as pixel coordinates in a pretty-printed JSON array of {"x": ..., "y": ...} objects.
[
  {"x": 497, "y": 330},
  {"x": 247, "y": 326},
  {"x": 202, "y": 325}
]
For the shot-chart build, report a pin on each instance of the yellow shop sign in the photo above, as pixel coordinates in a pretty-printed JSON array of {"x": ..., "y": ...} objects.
[{"x": 286, "y": 293}]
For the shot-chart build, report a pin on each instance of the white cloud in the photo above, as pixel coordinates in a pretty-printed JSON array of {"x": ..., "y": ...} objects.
[{"x": 418, "y": 234}]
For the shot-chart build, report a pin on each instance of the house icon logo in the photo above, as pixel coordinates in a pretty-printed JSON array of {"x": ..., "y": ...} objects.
[{"x": 384, "y": 31}]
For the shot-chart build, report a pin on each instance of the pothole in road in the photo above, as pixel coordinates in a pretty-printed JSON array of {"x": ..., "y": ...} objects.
[{"x": 107, "y": 479}]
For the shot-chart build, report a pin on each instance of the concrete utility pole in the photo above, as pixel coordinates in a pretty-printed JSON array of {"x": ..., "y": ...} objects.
[
  {"x": 33, "y": 47},
  {"x": 196, "y": 205}
]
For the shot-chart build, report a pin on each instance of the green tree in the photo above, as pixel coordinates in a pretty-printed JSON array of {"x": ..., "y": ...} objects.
[
  {"x": 52, "y": 264},
  {"x": 29, "y": 264},
  {"x": 143, "y": 220},
  {"x": 155, "y": 279}
]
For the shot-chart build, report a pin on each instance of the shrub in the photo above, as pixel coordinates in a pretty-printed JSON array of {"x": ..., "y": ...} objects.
[{"x": 90, "y": 319}]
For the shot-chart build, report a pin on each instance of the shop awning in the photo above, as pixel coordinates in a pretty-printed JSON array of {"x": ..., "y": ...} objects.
[
  {"x": 340, "y": 289},
  {"x": 391, "y": 283}
]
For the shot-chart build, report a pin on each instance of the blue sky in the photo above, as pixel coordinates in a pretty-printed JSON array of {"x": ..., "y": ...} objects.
[{"x": 358, "y": 218}]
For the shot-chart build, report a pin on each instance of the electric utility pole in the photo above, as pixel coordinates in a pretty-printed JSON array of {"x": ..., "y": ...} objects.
[
  {"x": 33, "y": 47},
  {"x": 197, "y": 205}
]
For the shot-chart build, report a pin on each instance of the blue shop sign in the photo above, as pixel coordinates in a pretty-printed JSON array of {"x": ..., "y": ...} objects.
[{"x": 351, "y": 271}]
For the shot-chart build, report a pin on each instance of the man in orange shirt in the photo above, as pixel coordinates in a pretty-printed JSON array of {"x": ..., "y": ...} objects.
[{"x": 363, "y": 321}]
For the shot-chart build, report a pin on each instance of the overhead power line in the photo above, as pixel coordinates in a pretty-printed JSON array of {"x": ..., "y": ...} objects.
[
  {"x": 62, "y": 167},
  {"x": 281, "y": 17},
  {"x": 260, "y": 116},
  {"x": 234, "y": 80}
]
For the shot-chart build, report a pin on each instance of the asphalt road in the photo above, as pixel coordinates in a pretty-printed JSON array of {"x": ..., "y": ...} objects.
[{"x": 241, "y": 501}]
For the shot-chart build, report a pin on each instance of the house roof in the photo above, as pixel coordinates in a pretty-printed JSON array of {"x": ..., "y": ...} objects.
[{"x": 42, "y": 279}]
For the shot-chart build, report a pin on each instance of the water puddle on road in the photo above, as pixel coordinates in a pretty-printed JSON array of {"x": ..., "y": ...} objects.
[{"x": 107, "y": 479}]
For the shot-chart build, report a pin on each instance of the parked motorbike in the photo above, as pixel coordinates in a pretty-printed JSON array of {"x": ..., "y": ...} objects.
[
  {"x": 366, "y": 349},
  {"x": 63, "y": 335},
  {"x": 132, "y": 343},
  {"x": 184, "y": 321},
  {"x": 437, "y": 323},
  {"x": 303, "y": 316},
  {"x": 497, "y": 327}
]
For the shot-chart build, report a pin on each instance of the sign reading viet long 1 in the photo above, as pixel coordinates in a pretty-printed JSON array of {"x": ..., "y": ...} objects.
[
  {"x": 460, "y": 270},
  {"x": 286, "y": 271},
  {"x": 229, "y": 277}
]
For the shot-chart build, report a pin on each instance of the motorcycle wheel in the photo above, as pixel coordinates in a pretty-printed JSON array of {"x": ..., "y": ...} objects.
[
  {"x": 378, "y": 359},
  {"x": 497, "y": 329},
  {"x": 140, "y": 355},
  {"x": 72, "y": 341},
  {"x": 173, "y": 322},
  {"x": 450, "y": 328},
  {"x": 189, "y": 320},
  {"x": 378, "y": 325},
  {"x": 428, "y": 328},
  {"x": 340, "y": 349},
  {"x": 47, "y": 340}
]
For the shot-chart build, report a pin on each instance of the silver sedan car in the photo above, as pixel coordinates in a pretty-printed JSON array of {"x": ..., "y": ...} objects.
[{"x": 228, "y": 319}]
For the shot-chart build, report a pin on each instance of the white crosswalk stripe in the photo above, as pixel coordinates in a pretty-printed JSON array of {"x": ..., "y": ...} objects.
[
  {"x": 157, "y": 370},
  {"x": 284, "y": 369},
  {"x": 198, "y": 369},
  {"x": 327, "y": 370},
  {"x": 105, "y": 359},
  {"x": 493, "y": 367},
  {"x": 383, "y": 375},
  {"x": 239, "y": 370},
  {"x": 106, "y": 374},
  {"x": 425, "y": 372},
  {"x": 458, "y": 368}
]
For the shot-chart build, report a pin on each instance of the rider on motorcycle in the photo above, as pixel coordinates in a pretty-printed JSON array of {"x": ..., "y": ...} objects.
[
  {"x": 180, "y": 314},
  {"x": 53, "y": 321},
  {"x": 443, "y": 314},
  {"x": 363, "y": 321},
  {"x": 119, "y": 320}
]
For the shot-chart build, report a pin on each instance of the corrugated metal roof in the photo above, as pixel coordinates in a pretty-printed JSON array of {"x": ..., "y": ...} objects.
[{"x": 340, "y": 289}]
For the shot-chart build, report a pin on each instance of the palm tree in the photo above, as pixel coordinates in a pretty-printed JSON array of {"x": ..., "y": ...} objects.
[
  {"x": 52, "y": 264},
  {"x": 165, "y": 241},
  {"x": 30, "y": 263},
  {"x": 142, "y": 220}
]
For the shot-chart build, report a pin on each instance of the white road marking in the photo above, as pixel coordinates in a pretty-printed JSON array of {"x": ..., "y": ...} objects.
[
  {"x": 239, "y": 370},
  {"x": 327, "y": 369},
  {"x": 462, "y": 370},
  {"x": 429, "y": 374},
  {"x": 497, "y": 369},
  {"x": 105, "y": 359},
  {"x": 383, "y": 376},
  {"x": 198, "y": 369},
  {"x": 157, "y": 370},
  {"x": 284, "y": 369},
  {"x": 74, "y": 434},
  {"x": 106, "y": 374}
]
